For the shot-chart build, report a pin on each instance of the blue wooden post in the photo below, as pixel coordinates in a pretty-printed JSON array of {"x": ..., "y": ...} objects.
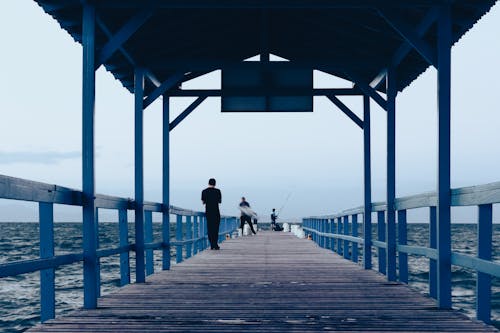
[
  {"x": 178, "y": 237},
  {"x": 125, "y": 256},
  {"x": 328, "y": 244},
  {"x": 339, "y": 231},
  {"x": 148, "y": 229},
  {"x": 165, "y": 226},
  {"x": 432, "y": 245},
  {"x": 391, "y": 173},
  {"x": 332, "y": 231},
  {"x": 354, "y": 219},
  {"x": 196, "y": 234},
  {"x": 203, "y": 225},
  {"x": 367, "y": 210},
  {"x": 322, "y": 238},
  {"x": 98, "y": 261},
  {"x": 483, "y": 281},
  {"x": 88, "y": 174},
  {"x": 189, "y": 237},
  {"x": 47, "y": 276},
  {"x": 443, "y": 186},
  {"x": 381, "y": 237},
  {"x": 139, "y": 175},
  {"x": 402, "y": 239},
  {"x": 346, "y": 232}
]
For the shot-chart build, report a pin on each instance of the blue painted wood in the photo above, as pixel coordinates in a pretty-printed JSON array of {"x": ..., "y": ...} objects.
[
  {"x": 390, "y": 237},
  {"x": 178, "y": 237},
  {"x": 47, "y": 276},
  {"x": 443, "y": 186},
  {"x": 165, "y": 227},
  {"x": 139, "y": 175},
  {"x": 339, "y": 231},
  {"x": 90, "y": 288},
  {"x": 354, "y": 219},
  {"x": 196, "y": 235},
  {"x": 189, "y": 235},
  {"x": 418, "y": 250},
  {"x": 98, "y": 261},
  {"x": 402, "y": 240},
  {"x": 332, "y": 231},
  {"x": 367, "y": 185},
  {"x": 125, "y": 256},
  {"x": 186, "y": 112},
  {"x": 433, "y": 245},
  {"x": 148, "y": 237},
  {"x": 381, "y": 238},
  {"x": 346, "y": 232},
  {"x": 484, "y": 247}
]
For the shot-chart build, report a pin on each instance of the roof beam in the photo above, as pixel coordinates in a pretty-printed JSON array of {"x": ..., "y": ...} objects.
[
  {"x": 409, "y": 34},
  {"x": 186, "y": 112},
  {"x": 263, "y": 92},
  {"x": 118, "y": 39},
  {"x": 160, "y": 90},
  {"x": 405, "y": 48},
  {"x": 297, "y": 4},
  {"x": 365, "y": 87},
  {"x": 344, "y": 108}
]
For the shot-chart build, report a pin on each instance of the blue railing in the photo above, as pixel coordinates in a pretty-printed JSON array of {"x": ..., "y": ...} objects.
[
  {"x": 190, "y": 238},
  {"x": 339, "y": 232}
]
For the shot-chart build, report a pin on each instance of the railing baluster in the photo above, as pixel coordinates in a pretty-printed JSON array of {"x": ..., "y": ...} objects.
[
  {"x": 432, "y": 245},
  {"x": 98, "y": 260},
  {"x": 483, "y": 281},
  {"x": 148, "y": 235},
  {"x": 189, "y": 237},
  {"x": 402, "y": 239},
  {"x": 381, "y": 237},
  {"x": 178, "y": 237},
  {"x": 125, "y": 256},
  {"x": 165, "y": 229},
  {"x": 355, "y": 234},
  {"x": 47, "y": 276},
  {"x": 346, "y": 232},
  {"x": 339, "y": 231},
  {"x": 196, "y": 233}
]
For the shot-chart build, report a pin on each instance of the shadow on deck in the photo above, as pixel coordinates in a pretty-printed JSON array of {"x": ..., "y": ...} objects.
[{"x": 265, "y": 283}]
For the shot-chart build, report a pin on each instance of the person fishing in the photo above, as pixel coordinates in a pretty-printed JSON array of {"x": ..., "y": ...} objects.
[
  {"x": 246, "y": 215},
  {"x": 274, "y": 216},
  {"x": 211, "y": 198}
]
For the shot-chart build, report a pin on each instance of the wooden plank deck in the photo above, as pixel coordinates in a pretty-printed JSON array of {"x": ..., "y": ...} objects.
[{"x": 272, "y": 282}]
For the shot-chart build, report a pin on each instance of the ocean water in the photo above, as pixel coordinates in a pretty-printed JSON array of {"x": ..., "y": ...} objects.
[{"x": 19, "y": 296}]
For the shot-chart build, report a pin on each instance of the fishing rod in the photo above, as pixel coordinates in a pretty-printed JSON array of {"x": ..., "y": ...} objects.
[{"x": 283, "y": 206}]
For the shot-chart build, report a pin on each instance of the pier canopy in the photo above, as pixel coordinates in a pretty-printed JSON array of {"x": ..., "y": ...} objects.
[{"x": 355, "y": 40}]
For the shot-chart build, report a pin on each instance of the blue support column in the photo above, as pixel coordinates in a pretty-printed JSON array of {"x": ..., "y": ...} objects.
[
  {"x": 381, "y": 237},
  {"x": 148, "y": 229},
  {"x": 332, "y": 231},
  {"x": 125, "y": 256},
  {"x": 178, "y": 237},
  {"x": 98, "y": 264},
  {"x": 189, "y": 236},
  {"x": 328, "y": 244},
  {"x": 402, "y": 239},
  {"x": 346, "y": 232},
  {"x": 165, "y": 226},
  {"x": 391, "y": 173},
  {"x": 90, "y": 288},
  {"x": 354, "y": 232},
  {"x": 339, "y": 231},
  {"x": 139, "y": 175},
  {"x": 483, "y": 281},
  {"x": 47, "y": 276},
  {"x": 367, "y": 212},
  {"x": 196, "y": 234},
  {"x": 432, "y": 245},
  {"x": 443, "y": 186}
]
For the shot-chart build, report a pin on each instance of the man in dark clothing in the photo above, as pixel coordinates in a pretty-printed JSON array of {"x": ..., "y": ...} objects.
[
  {"x": 273, "y": 219},
  {"x": 211, "y": 198},
  {"x": 246, "y": 216}
]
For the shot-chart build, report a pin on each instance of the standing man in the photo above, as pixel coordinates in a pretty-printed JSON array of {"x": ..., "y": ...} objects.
[
  {"x": 273, "y": 219},
  {"x": 246, "y": 215},
  {"x": 211, "y": 198}
]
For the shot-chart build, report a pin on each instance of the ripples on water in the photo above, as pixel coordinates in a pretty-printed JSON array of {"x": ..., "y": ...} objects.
[{"x": 19, "y": 301}]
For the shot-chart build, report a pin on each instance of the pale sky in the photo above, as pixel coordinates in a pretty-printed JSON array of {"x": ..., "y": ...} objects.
[{"x": 317, "y": 157}]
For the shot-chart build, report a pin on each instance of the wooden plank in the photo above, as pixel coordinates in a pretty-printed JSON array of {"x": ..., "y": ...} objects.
[{"x": 271, "y": 282}]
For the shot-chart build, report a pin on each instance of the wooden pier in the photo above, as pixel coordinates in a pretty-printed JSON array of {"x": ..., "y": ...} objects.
[{"x": 272, "y": 282}]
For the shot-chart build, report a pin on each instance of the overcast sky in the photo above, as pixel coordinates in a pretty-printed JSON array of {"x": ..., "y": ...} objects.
[{"x": 317, "y": 157}]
